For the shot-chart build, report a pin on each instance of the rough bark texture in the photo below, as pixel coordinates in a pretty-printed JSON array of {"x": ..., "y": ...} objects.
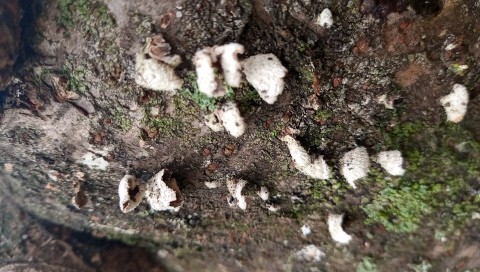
[{"x": 74, "y": 97}]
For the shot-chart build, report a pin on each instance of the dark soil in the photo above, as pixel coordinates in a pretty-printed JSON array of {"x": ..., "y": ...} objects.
[{"x": 425, "y": 220}]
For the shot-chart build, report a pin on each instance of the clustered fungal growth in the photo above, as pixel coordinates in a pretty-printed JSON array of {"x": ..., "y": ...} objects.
[
  {"x": 130, "y": 192},
  {"x": 265, "y": 73},
  {"x": 317, "y": 169},
  {"x": 355, "y": 165},
  {"x": 155, "y": 66},
  {"x": 235, "y": 187},
  {"x": 391, "y": 161},
  {"x": 455, "y": 103},
  {"x": 161, "y": 191},
  {"x": 334, "y": 223}
]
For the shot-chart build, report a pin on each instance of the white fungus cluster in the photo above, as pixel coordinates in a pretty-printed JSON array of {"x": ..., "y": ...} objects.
[
  {"x": 155, "y": 66},
  {"x": 226, "y": 117},
  {"x": 355, "y": 165},
  {"x": 455, "y": 103},
  {"x": 265, "y": 73},
  {"x": 317, "y": 168},
  {"x": 334, "y": 223},
  {"x": 391, "y": 161},
  {"x": 162, "y": 193},
  {"x": 235, "y": 187}
]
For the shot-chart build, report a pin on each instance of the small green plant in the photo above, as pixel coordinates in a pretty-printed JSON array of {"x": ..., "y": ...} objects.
[
  {"x": 202, "y": 100},
  {"x": 367, "y": 265},
  {"x": 75, "y": 79},
  {"x": 122, "y": 120},
  {"x": 321, "y": 116}
]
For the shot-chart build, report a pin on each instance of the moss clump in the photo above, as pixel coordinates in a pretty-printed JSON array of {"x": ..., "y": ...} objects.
[
  {"x": 400, "y": 209},
  {"x": 322, "y": 116},
  {"x": 166, "y": 126},
  {"x": 75, "y": 79},
  {"x": 122, "y": 120},
  {"x": 367, "y": 265},
  {"x": 442, "y": 164},
  {"x": 90, "y": 15}
]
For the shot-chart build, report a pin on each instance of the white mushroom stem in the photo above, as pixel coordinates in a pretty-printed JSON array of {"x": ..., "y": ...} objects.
[
  {"x": 232, "y": 70},
  {"x": 335, "y": 228},
  {"x": 207, "y": 83},
  {"x": 317, "y": 169}
]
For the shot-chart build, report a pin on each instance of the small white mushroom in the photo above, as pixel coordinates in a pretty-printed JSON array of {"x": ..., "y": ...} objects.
[
  {"x": 232, "y": 69},
  {"x": 93, "y": 161},
  {"x": 235, "y": 187},
  {"x": 230, "y": 117},
  {"x": 455, "y": 103},
  {"x": 264, "y": 194},
  {"x": 354, "y": 165},
  {"x": 391, "y": 161},
  {"x": 335, "y": 228},
  {"x": 325, "y": 19},
  {"x": 306, "y": 230},
  {"x": 317, "y": 169},
  {"x": 155, "y": 66},
  {"x": 265, "y": 73},
  {"x": 162, "y": 193},
  {"x": 206, "y": 80},
  {"x": 388, "y": 103},
  {"x": 130, "y": 192},
  {"x": 310, "y": 253},
  {"x": 156, "y": 75},
  {"x": 211, "y": 184}
]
